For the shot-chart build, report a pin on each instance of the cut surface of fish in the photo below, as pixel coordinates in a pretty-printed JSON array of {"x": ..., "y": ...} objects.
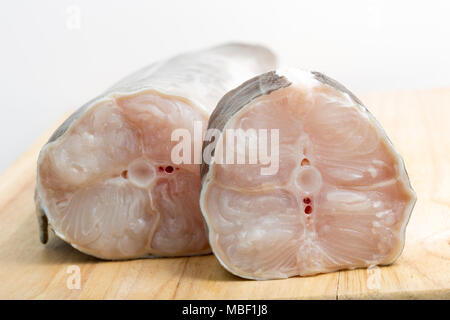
[
  {"x": 106, "y": 180},
  {"x": 339, "y": 199}
]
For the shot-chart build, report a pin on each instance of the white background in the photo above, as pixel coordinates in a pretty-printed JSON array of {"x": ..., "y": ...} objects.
[{"x": 56, "y": 55}]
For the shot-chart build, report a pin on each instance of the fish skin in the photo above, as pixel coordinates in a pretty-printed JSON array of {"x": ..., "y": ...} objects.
[
  {"x": 146, "y": 78},
  {"x": 240, "y": 97},
  {"x": 335, "y": 84},
  {"x": 221, "y": 67}
]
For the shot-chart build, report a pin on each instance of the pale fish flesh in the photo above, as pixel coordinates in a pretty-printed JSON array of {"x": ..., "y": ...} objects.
[
  {"x": 340, "y": 199},
  {"x": 105, "y": 180}
]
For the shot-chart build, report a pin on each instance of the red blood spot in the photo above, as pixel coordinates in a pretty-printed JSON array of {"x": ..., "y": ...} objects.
[
  {"x": 307, "y": 200},
  {"x": 177, "y": 168},
  {"x": 305, "y": 162},
  {"x": 169, "y": 169},
  {"x": 308, "y": 209},
  {"x": 124, "y": 174},
  {"x": 161, "y": 169}
]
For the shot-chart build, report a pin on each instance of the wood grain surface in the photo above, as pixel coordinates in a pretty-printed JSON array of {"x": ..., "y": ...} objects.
[{"x": 418, "y": 123}]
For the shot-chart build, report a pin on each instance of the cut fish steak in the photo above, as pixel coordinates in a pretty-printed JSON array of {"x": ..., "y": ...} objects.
[
  {"x": 106, "y": 183},
  {"x": 340, "y": 199}
]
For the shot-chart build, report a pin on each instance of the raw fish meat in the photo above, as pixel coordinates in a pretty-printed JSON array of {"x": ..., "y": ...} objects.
[
  {"x": 339, "y": 199},
  {"x": 106, "y": 183}
]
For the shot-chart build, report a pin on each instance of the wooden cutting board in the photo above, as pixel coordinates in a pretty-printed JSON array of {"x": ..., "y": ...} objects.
[{"x": 418, "y": 123}]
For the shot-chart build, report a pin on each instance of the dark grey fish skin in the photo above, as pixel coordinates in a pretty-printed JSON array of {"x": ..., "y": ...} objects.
[
  {"x": 335, "y": 84},
  {"x": 238, "y": 98},
  {"x": 43, "y": 224}
]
